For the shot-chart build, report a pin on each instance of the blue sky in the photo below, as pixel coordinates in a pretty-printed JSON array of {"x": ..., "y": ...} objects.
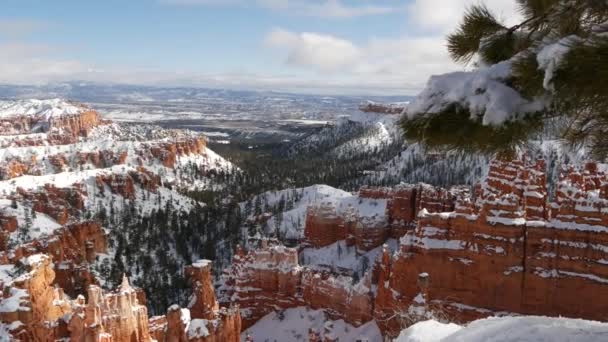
[{"x": 331, "y": 46}]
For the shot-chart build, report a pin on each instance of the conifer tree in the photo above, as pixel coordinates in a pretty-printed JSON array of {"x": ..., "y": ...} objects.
[{"x": 548, "y": 73}]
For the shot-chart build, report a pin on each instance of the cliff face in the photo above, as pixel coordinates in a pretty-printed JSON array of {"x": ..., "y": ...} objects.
[{"x": 510, "y": 250}]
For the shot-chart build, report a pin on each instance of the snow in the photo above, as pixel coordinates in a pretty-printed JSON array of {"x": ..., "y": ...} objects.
[
  {"x": 202, "y": 263},
  {"x": 550, "y": 56},
  {"x": 12, "y": 303},
  {"x": 42, "y": 225},
  {"x": 40, "y": 109},
  {"x": 340, "y": 255},
  {"x": 6, "y": 272},
  {"x": 5, "y": 330},
  {"x": 531, "y": 328},
  {"x": 198, "y": 328},
  {"x": 295, "y": 324},
  {"x": 482, "y": 91},
  {"x": 427, "y": 331}
]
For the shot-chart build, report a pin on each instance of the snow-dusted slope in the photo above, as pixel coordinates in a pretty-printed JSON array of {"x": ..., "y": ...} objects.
[
  {"x": 130, "y": 178},
  {"x": 352, "y": 136},
  {"x": 509, "y": 329},
  {"x": 293, "y": 325},
  {"x": 42, "y": 109}
]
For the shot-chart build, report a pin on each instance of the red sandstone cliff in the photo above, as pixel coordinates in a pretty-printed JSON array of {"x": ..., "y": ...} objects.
[{"x": 510, "y": 250}]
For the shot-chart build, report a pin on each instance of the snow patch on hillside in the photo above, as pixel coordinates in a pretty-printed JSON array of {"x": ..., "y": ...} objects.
[
  {"x": 294, "y": 324},
  {"x": 427, "y": 331},
  {"x": 509, "y": 329},
  {"x": 342, "y": 256}
]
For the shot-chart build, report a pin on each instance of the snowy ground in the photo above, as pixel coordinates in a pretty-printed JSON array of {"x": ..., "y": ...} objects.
[
  {"x": 509, "y": 329},
  {"x": 339, "y": 255},
  {"x": 295, "y": 323}
]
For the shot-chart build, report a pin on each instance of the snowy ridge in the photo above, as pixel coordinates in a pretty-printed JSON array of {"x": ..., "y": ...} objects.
[{"x": 40, "y": 109}]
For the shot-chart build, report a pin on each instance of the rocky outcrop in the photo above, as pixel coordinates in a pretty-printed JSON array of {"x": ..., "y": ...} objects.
[
  {"x": 167, "y": 153},
  {"x": 269, "y": 278},
  {"x": 48, "y": 315},
  {"x": 42, "y": 312},
  {"x": 37, "y": 163},
  {"x": 115, "y": 316},
  {"x": 77, "y": 125},
  {"x": 203, "y": 320},
  {"x": 325, "y": 226},
  {"x": 58, "y": 203},
  {"x": 69, "y": 125},
  {"x": 265, "y": 279},
  {"x": 203, "y": 302},
  {"x": 31, "y": 300},
  {"x": 339, "y": 295},
  {"x": 72, "y": 247}
]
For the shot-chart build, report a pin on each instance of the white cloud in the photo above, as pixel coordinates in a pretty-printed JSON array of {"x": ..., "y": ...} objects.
[
  {"x": 408, "y": 60},
  {"x": 322, "y": 52},
  {"x": 443, "y": 16},
  {"x": 326, "y": 8},
  {"x": 310, "y": 61},
  {"x": 315, "y": 8}
]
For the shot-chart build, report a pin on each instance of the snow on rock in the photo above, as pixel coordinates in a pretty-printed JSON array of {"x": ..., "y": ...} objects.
[
  {"x": 297, "y": 324},
  {"x": 427, "y": 331},
  {"x": 198, "y": 328},
  {"x": 550, "y": 56},
  {"x": 529, "y": 328}
]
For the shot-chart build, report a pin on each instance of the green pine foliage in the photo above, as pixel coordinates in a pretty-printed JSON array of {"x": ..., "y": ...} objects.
[{"x": 574, "y": 96}]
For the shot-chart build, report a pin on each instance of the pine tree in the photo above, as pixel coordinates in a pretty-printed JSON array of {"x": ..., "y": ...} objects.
[{"x": 550, "y": 71}]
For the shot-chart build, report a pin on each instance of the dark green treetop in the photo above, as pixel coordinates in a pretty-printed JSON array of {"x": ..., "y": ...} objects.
[{"x": 547, "y": 73}]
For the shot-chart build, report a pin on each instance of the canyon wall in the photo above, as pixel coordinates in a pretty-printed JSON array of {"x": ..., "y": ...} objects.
[{"x": 506, "y": 248}]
